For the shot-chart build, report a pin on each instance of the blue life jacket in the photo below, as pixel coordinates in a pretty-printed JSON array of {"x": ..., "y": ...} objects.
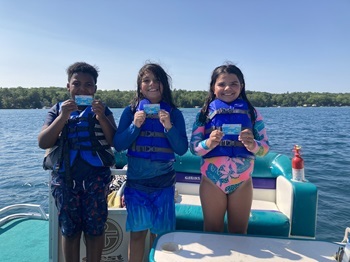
[
  {"x": 152, "y": 143},
  {"x": 85, "y": 136},
  {"x": 236, "y": 112}
]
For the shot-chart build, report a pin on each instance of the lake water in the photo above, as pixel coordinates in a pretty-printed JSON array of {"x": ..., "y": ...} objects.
[{"x": 323, "y": 133}]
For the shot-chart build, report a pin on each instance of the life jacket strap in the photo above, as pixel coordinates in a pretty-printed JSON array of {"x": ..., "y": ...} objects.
[
  {"x": 152, "y": 116},
  {"x": 89, "y": 148},
  {"x": 75, "y": 129},
  {"x": 152, "y": 149},
  {"x": 227, "y": 111},
  {"x": 233, "y": 143},
  {"x": 151, "y": 134}
]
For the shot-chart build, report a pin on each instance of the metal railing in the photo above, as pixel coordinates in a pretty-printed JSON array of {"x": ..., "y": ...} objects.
[{"x": 34, "y": 211}]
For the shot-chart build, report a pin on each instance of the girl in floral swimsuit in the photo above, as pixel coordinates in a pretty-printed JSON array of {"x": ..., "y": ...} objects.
[{"x": 228, "y": 133}]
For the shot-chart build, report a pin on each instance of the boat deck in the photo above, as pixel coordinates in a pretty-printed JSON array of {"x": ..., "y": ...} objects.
[
  {"x": 190, "y": 246},
  {"x": 20, "y": 243}
]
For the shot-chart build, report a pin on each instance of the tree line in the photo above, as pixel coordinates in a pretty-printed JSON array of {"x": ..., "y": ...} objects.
[{"x": 39, "y": 97}]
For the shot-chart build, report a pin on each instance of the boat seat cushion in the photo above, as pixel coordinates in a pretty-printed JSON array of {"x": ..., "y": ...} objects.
[{"x": 261, "y": 222}]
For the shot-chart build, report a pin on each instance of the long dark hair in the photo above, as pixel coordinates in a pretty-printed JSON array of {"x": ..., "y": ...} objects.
[
  {"x": 228, "y": 69},
  {"x": 163, "y": 78}
]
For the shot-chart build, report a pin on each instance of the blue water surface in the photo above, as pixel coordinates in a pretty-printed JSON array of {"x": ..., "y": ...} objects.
[{"x": 323, "y": 133}]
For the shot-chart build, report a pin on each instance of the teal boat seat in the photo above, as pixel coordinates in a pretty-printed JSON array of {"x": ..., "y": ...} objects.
[
  {"x": 261, "y": 222},
  {"x": 272, "y": 223}
]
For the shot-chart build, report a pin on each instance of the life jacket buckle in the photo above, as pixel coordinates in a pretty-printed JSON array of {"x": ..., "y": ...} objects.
[
  {"x": 149, "y": 149},
  {"x": 148, "y": 133},
  {"x": 227, "y": 143}
]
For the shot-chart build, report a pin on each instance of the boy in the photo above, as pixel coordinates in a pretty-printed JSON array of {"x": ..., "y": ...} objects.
[{"x": 80, "y": 181}]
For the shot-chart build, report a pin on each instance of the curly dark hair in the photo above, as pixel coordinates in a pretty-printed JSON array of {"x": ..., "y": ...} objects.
[
  {"x": 82, "y": 67},
  {"x": 227, "y": 68},
  {"x": 163, "y": 78}
]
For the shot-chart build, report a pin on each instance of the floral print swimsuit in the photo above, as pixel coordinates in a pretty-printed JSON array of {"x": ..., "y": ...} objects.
[{"x": 228, "y": 173}]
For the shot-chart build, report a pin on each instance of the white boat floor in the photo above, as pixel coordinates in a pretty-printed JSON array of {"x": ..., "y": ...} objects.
[{"x": 191, "y": 246}]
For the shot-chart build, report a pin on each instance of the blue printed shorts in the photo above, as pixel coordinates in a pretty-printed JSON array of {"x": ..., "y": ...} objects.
[
  {"x": 154, "y": 211},
  {"x": 83, "y": 207}
]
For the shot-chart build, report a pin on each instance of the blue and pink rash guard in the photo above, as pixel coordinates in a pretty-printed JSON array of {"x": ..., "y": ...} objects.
[{"x": 228, "y": 172}]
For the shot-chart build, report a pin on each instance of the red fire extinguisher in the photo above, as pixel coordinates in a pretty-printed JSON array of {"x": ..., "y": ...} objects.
[{"x": 298, "y": 165}]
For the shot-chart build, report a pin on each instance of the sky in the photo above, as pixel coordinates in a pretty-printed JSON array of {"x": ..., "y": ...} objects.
[{"x": 280, "y": 46}]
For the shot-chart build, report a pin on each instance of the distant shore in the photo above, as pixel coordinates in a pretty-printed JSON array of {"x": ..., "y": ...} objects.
[{"x": 46, "y": 97}]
